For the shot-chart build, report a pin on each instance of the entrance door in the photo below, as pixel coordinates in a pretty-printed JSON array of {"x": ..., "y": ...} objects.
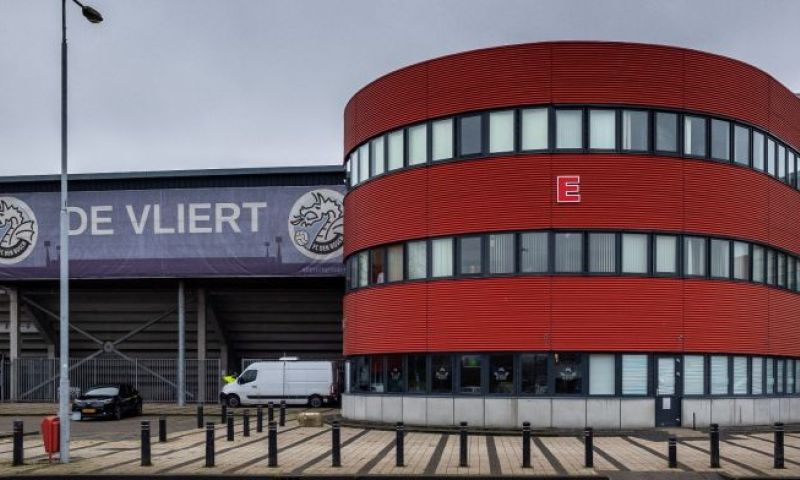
[{"x": 668, "y": 390}]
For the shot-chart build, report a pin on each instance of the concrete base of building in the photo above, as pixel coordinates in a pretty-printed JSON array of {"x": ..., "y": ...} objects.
[{"x": 558, "y": 412}]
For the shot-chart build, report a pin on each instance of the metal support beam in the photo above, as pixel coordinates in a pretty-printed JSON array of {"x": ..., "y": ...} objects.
[
  {"x": 15, "y": 342},
  {"x": 224, "y": 342},
  {"x": 181, "y": 344},
  {"x": 201, "y": 344}
]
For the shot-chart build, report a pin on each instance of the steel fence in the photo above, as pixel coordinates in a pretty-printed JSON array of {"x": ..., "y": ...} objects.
[{"x": 155, "y": 379}]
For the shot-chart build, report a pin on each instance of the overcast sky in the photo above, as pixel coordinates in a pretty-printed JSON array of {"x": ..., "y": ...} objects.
[{"x": 175, "y": 84}]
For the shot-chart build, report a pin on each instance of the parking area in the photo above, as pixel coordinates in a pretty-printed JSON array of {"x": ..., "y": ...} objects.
[{"x": 107, "y": 447}]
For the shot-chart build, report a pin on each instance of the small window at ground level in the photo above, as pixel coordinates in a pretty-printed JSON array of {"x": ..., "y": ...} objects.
[
  {"x": 470, "y": 255},
  {"x": 501, "y": 131},
  {"x": 757, "y": 376},
  {"x": 569, "y": 252},
  {"x": 470, "y": 139},
  {"x": 567, "y": 368},
  {"x": 740, "y": 375},
  {"x": 569, "y": 129},
  {"x": 770, "y": 369},
  {"x": 501, "y": 373},
  {"x": 741, "y": 261},
  {"x": 602, "y": 129},
  {"x": 635, "y": 131},
  {"x": 602, "y": 374},
  {"x": 359, "y": 374},
  {"x": 534, "y": 129},
  {"x": 790, "y": 376},
  {"x": 376, "y": 377},
  {"x": 666, "y": 132},
  {"x": 602, "y": 252},
  {"x": 470, "y": 374},
  {"x": 693, "y": 375},
  {"x": 417, "y": 373},
  {"x": 694, "y": 136},
  {"x": 533, "y": 252},
  {"x": 694, "y": 255},
  {"x": 719, "y": 375},
  {"x": 441, "y": 374},
  {"x": 634, "y": 374},
  {"x": 720, "y": 139},
  {"x": 634, "y": 253},
  {"x": 666, "y": 254},
  {"x": 534, "y": 373},
  {"x": 758, "y": 151},
  {"x": 741, "y": 145},
  {"x": 395, "y": 377},
  {"x": 780, "y": 365}
]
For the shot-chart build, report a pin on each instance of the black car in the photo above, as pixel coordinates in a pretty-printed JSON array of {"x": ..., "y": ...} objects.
[{"x": 108, "y": 401}]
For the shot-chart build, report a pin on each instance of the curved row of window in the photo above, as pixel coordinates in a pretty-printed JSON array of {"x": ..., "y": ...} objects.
[
  {"x": 546, "y": 252},
  {"x": 573, "y": 373},
  {"x": 572, "y": 128}
]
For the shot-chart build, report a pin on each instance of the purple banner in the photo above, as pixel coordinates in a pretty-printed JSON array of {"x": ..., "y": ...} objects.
[{"x": 210, "y": 232}]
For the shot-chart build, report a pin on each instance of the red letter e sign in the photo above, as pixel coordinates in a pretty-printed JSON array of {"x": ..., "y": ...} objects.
[{"x": 568, "y": 189}]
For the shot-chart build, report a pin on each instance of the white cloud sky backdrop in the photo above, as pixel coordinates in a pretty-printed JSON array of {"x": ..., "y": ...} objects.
[{"x": 185, "y": 84}]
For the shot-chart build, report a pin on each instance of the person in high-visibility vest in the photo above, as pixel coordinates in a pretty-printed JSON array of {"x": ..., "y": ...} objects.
[{"x": 229, "y": 378}]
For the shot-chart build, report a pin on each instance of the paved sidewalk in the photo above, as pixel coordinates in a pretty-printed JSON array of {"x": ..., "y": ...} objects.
[{"x": 306, "y": 451}]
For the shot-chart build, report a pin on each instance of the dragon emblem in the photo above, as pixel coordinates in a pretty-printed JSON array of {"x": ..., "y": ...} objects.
[
  {"x": 18, "y": 230},
  {"x": 316, "y": 224}
]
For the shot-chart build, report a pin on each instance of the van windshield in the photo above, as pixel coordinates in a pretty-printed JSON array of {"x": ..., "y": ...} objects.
[{"x": 247, "y": 376}]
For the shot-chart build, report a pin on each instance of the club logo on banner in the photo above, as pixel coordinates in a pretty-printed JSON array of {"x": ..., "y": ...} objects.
[
  {"x": 316, "y": 224},
  {"x": 18, "y": 230}
]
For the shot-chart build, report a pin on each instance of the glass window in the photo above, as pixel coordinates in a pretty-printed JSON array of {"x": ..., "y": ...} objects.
[
  {"x": 363, "y": 162},
  {"x": 417, "y": 260},
  {"x": 790, "y": 273},
  {"x": 470, "y": 140},
  {"x": 602, "y": 252},
  {"x": 740, "y": 375},
  {"x": 771, "y": 156},
  {"x": 694, "y": 136},
  {"x": 791, "y": 168},
  {"x": 354, "y": 169},
  {"x": 720, "y": 258},
  {"x": 417, "y": 373},
  {"x": 602, "y": 129},
  {"x": 378, "y": 267},
  {"x": 634, "y": 253},
  {"x": 501, "y": 373},
  {"x": 741, "y": 145},
  {"x": 790, "y": 376},
  {"x": 758, "y": 264},
  {"x": 757, "y": 376},
  {"x": 470, "y": 374},
  {"x": 378, "y": 160},
  {"x": 394, "y": 263},
  {"x": 352, "y": 272},
  {"x": 797, "y": 376},
  {"x": 396, "y": 149},
  {"x": 635, "y": 131},
  {"x": 694, "y": 256},
  {"x": 719, "y": 375},
  {"x": 441, "y": 374},
  {"x": 758, "y": 151},
  {"x": 693, "y": 375},
  {"x": 779, "y": 372},
  {"x": 781, "y": 160},
  {"x": 666, "y": 254},
  {"x": 394, "y": 373},
  {"x": 569, "y": 252},
  {"x": 501, "y": 253},
  {"x": 602, "y": 374},
  {"x": 501, "y": 131},
  {"x": 417, "y": 144},
  {"x": 568, "y": 373},
  {"x": 363, "y": 269},
  {"x": 359, "y": 374},
  {"x": 376, "y": 377},
  {"x": 534, "y": 373},
  {"x": 781, "y": 269},
  {"x": 442, "y": 257},
  {"x": 741, "y": 261},
  {"x": 720, "y": 139},
  {"x": 569, "y": 129},
  {"x": 771, "y": 267},
  {"x": 666, "y": 132},
  {"x": 634, "y": 374},
  {"x": 442, "y": 137},
  {"x": 665, "y": 381},
  {"x": 246, "y": 377},
  {"x": 533, "y": 252},
  {"x": 534, "y": 129},
  {"x": 470, "y": 258},
  {"x": 770, "y": 375}
]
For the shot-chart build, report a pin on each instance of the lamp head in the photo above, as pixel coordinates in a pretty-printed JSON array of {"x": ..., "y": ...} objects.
[{"x": 91, "y": 14}]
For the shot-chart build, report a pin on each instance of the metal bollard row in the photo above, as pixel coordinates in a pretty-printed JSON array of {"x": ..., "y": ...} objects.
[
  {"x": 282, "y": 418},
  {"x": 200, "y": 415},
  {"x": 19, "y": 453},
  {"x": 399, "y": 445},
  {"x": 336, "y": 445},
  {"x": 672, "y": 452},
  {"x": 778, "y": 460},
  {"x": 526, "y": 445},
  {"x": 145, "y": 444},
  {"x": 209, "y": 444},
  {"x": 463, "y": 447},
  {"x": 162, "y": 428},
  {"x": 259, "y": 419},
  {"x": 713, "y": 435},
  {"x": 272, "y": 445},
  {"x": 230, "y": 428},
  {"x": 246, "y": 423},
  {"x": 588, "y": 448}
]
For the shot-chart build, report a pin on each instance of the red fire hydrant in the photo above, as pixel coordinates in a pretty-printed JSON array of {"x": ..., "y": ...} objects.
[{"x": 50, "y": 427}]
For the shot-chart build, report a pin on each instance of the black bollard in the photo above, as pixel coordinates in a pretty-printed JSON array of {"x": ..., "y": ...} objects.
[
  {"x": 19, "y": 454},
  {"x": 400, "y": 445},
  {"x": 146, "y": 444},
  {"x": 336, "y": 445},
  {"x": 779, "y": 458},
  {"x": 270, "y": 412},
  {"x": 714, "y": 437},
  {"x": 673, "y": 451},
  {"x": 200, "y": 415},
  {"x": 209, "y": 444},
  {"x": 230, "y": 428},
  {"x": 246, "y": 423},
  {"x": 694, "y": 421},
  {"x": 282, "y": 417},
  {"x": 223, "y": 414},
  {"x": 162, "y": 428},
  {"x": 272, "y": 445},
  {"x": 259, "y": 419},
  {"x": 462, "y": 452},
  {"x": 526, "y": 444},
  {"x": 588, "y": 448}
]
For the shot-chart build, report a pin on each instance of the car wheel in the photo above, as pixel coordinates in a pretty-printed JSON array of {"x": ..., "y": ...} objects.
[
  {"x": 117, "y": 412},
  {"x": 315, "y": 401},
  {"x": 233, "y": 401}
]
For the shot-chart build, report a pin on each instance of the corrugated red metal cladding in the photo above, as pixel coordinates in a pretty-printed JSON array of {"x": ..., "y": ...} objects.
[{"x": 573, "y": 72}]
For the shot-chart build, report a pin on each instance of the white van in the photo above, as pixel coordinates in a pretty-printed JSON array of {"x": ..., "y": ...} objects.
[{"x": 298, "y": 382}]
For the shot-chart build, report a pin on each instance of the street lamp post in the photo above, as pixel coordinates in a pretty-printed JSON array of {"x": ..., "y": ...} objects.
[{"x": 63, "y": 388}]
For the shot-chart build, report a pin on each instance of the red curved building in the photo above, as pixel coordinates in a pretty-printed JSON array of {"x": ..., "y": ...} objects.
[{"x": 573, "y": 234}]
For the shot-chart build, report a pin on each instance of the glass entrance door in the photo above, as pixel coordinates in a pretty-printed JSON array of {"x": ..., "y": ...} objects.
[{"x": 668, "y": 391}]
